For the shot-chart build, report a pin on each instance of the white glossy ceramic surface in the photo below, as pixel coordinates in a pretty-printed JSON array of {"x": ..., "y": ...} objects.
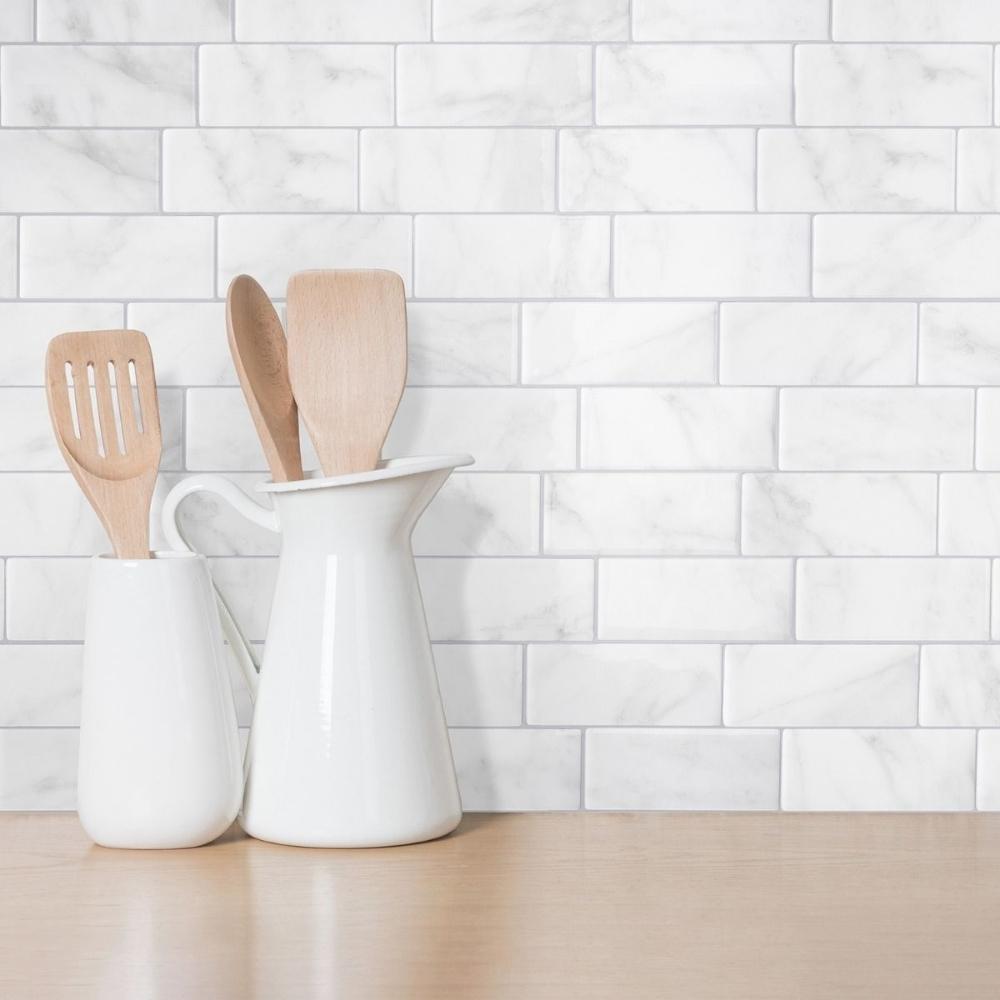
[
  {"x": 159, "y": 743},
  {"x": 348, "y": 746}
]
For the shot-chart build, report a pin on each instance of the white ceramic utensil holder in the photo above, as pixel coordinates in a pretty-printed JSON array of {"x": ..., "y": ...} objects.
[
  {"x": 160, "y": 763},
  {"x": 348, "y": 746}
]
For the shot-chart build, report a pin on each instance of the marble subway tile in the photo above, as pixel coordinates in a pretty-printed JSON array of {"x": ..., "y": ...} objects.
[
  {"x": 512, "y": 256},
  {"x": 517, "y": 770},
  {"x": 988, "y": 429},
  {"x": 272, "y": 247},
  {"x": 839, "y": 514},
  {"x": 481, "y": 514},
  {"x": 916, "y": 21},
  {"x": 133, "y": 21},
  {"x": 493, "y": 84},
  {"x": 970, "y": 514},
  {"x": 876, "y": 429},
  {"x": 461, "y": 343},
  {"x": 112, "y": 171},
  {"x": 978, "y": 170},
  {"x": 288, "y": 85},
  {"x": 480, "y": 684},
  {"x": 694, "y": 599},
  {"x": 694, "y": 85},
  {"x": 97, "y": 85},
  {"x": 40, "y": 685},
  {"x": 17, "y": 20},
  {"x": 904, "y": 600},
  {"x": 572, "y": 343},
  {"x": 681, "y": 769},
  {"x": 807, "y": 685},
  {"x": 960, "y": 686},
  {"x": 960, "y": 343},
  {"x": 817, "y": 343},
  {"x": 893, "y": 84},
  {"x": 8, "y": 256},
  {"x": 259, "y": 170},
  {"x": 623, "y": 513},
  {"x": 878, "y": 770},
  {"x": 457, "y": 170},
  {"x": 656, "y": 170},
  {"x": 321, "y": 21},
  {"x": 629, "y": 684},
  {"x": 38, "y": 768},
  {"x": 139, "y": 256},
  {"x": 29, "y": 326},
  {"x": 188, "y": 340},
  {"x": 988, "y": 771},
  {"x": 906, "y": 256},
  {"x": 856, "y": 170},
  {"x": 46, "y": 599},
  {"x": 517, "y": 21},
  {"x": 510, "y": 600},
  {"x": 717, "y": 20},
  {"x": 707, "y": 256},
  {"x": 683, "y": 428}
]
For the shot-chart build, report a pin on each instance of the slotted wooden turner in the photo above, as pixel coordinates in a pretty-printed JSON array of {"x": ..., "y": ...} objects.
[
  {"x": 102, "y": 400},
  {"x": 347, "y": 361}
]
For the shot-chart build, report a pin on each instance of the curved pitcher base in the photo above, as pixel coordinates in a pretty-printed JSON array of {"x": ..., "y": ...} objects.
[{"x": 386, "y": 837}]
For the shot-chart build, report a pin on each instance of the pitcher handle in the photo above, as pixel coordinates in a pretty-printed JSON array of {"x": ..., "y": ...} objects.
[{"x": 253, "y": 512}]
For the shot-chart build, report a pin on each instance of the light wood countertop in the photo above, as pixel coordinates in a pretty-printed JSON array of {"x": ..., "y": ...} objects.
[{"x": 564, "y": 905}]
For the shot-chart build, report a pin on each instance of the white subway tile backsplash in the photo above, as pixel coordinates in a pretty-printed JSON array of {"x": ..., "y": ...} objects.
[
  {"x": 694, "y": 85},
  {"x": 133, "y": 21},
  {"x": 960, "y": 686},
  {"x": 681, "y": 769},
  {"x": 856, "y": 170},
  {"x": 259, "y": 85},
  {"x": 97, "y": 85},
  {"x": 839, "y": 514},
  {"x": 40, "y": 685},
  {"x": 861, "y": 600},
  {"x": 969, "y": 515},
  {"x": 259, "y": 170},
  {"x": 960, "y": 343},
  {"x": 112, "y": 171},
  {"x": 8, "y": 256},
  {"x": 46, "y": 514},
  {"x": 572, "y": 343},
  {"x": 656, "y": 170},
  {"x": 457, "y": 170},
  {"x": 627, "y": 684},
  {"x": 878, "y": 769},
  {"x": 988, "y": 770},
  {"x": 272, "y": 247},
  {"x": 136, "y": 256},
  {"x": 46, "y": 599},
  {"x": 17, "y": 20},
  {"x": 906, "y": 256},
  {"x": 512, "y": 256},
  {"x": 683, "y": 428},
  {"x": 988, "y": 429},
  {"x": 978, "y": 173},
  {"x": 517, "y": 770},
  {"x": 515, "y": 600},
  {"x": 829, "y": 685},
  {"x": 893, "y": 84},
  {"x": 715, "y": 20},
  {"x": 870, "y": 429},
  {"x": 705, "y": 256},
  {"x": 321, "y": 21},
  {"x": 517, "y": 21},
  {"x": 694, "y": 599},
  {"x": 186, "y": 341},
  {"x": 622, "y": 513},
  {"x": 461, "y": 343},
  {"x": 493, "y": 84},
  {"x": 480, "y": 684},
  {"x": 916, "y": 20},
  {"x": 247, "y": 586},
  {"x": 38, "y": 768},
  {"x": 817, "y": 343}
]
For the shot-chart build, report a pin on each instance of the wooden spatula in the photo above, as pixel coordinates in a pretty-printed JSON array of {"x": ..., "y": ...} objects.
[
  {"x": 102, "y": 400},
  {"x": 347, "y": 361},
  {"x": 257, "y": 343}
]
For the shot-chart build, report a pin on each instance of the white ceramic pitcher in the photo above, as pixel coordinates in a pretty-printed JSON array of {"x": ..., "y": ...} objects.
[{"x": 348, "y": 745}]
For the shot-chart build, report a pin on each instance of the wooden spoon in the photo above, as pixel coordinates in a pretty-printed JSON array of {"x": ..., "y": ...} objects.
[
  {"x": 115, "y": 452},
  {"x": 257, "y": 344},
  {"x": 347, "y": 361}
]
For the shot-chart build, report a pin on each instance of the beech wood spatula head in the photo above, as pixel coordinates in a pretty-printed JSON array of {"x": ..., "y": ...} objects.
[
  {"x": 102, "y": 400},
  {"x": 347, "y": 361},
  {"x": 257, "y": 343}
]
